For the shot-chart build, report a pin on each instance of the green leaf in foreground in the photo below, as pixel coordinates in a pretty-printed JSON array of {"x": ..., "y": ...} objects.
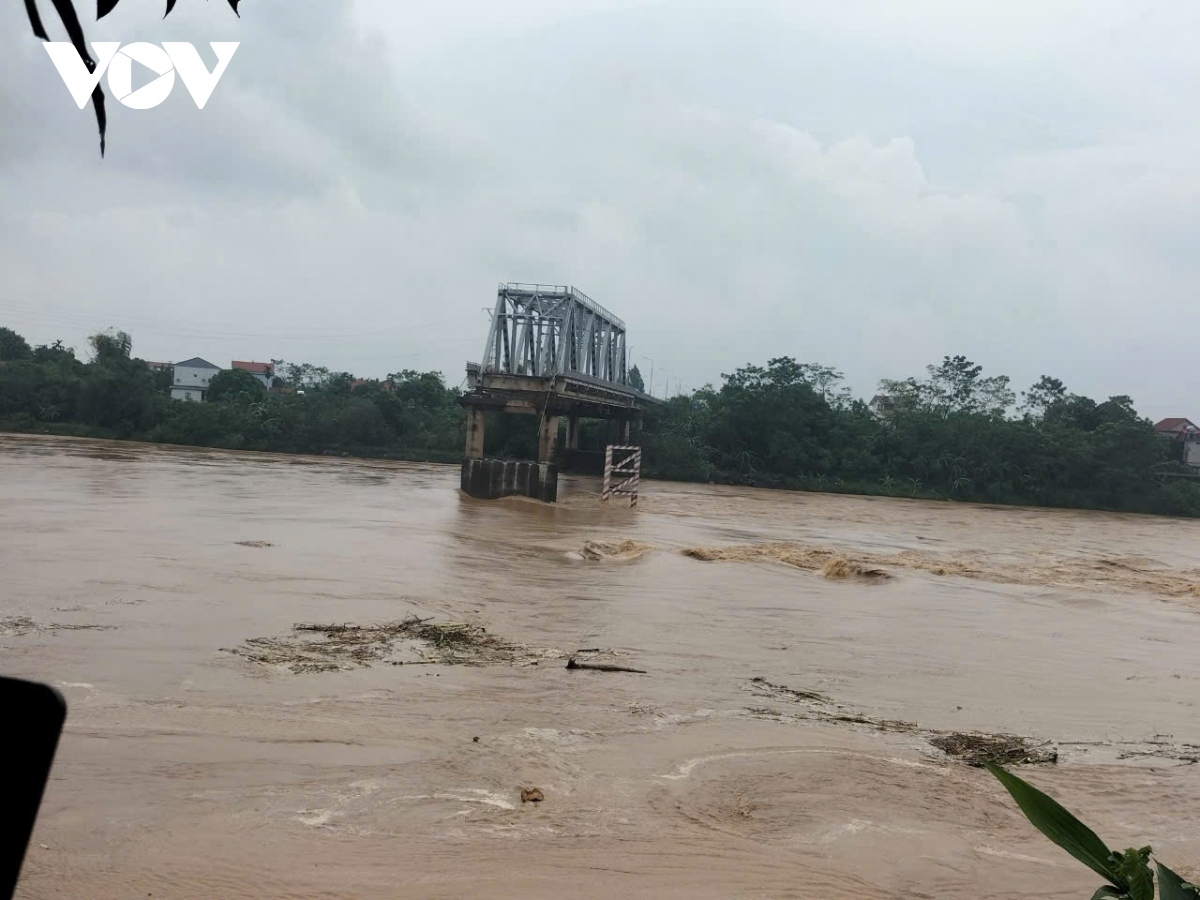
[
  {"x": 1172, "y": 887},
  {"x": 1133, "y": 870},
  {"x": 1056, "y": 823}
]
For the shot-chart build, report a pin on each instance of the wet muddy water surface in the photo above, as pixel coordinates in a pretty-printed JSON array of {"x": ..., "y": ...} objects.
[{"x": 158, "y": 589}]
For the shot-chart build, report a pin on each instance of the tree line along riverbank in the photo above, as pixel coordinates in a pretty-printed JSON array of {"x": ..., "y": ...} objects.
[{"x": 953, "y": 433}]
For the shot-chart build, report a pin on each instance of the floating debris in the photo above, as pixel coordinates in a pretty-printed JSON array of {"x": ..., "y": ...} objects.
[
  {"x": 18, "y": 626},
  {"x": 973, "y": 748},
  {"x": 602, "y": 667},
  {"x": 976, "y": 748},
  {"x": 532, "y": 795},
  {"x": 254, "y": 544},
  {"x": 413, "y": 641},
  {"x": 779, "y": 690}
]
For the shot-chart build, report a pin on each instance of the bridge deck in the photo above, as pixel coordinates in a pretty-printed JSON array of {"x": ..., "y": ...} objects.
[{"x": 571, "y": 394}]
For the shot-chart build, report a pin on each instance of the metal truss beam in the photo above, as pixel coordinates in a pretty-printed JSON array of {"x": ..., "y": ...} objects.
[{"x": 541, "y": 330}]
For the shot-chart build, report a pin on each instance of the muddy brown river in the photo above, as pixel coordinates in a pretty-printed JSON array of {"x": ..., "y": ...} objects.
[{"x": 212, "y": 751}]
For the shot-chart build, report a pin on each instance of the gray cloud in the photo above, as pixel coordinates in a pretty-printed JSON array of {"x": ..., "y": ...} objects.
[
  {"x": 308, "y": 98},
  {"x": 842, "y": 184}
]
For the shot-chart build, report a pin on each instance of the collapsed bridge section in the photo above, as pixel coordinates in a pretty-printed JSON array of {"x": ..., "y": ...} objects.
[{"x": 554, "y": 353}]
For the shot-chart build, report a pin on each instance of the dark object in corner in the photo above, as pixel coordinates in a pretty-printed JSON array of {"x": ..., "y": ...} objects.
[{"x": 34, "y": 715}]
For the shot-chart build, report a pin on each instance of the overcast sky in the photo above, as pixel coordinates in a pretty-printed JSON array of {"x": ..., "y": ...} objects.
[{"x": 869, "y": 184}]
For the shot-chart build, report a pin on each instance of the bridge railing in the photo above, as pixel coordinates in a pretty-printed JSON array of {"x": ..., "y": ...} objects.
[{"x": 476, "y": 371}]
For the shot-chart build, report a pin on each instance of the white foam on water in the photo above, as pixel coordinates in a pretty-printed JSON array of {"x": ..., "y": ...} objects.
[
  {"x": 839, "y": 831},
  {"x": 470, "y": 795},
  {"x": 992, "y": 851},
  {"x": 314, "y": 818},
  {"x": 686, "y": 769}
]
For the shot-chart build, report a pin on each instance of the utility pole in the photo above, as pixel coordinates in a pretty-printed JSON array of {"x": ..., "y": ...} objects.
[{"x": 650, "y": 389}]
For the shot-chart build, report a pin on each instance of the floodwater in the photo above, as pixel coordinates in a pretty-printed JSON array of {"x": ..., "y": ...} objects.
[{"x": 188, "y": 771}]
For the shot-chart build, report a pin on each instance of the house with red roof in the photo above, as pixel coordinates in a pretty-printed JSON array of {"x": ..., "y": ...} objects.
[
  {"x": 264, "y": 372},
  {"x": 1186, "y": 432},
  {"x": 388, "y": 385},
  {"x": 1179, "y": 429}
]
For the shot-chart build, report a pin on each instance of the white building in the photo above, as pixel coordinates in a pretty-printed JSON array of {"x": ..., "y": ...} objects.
[
  {"x": 191, "y": 379},
  {"x": 1191, "y": 454},
  {"x": 882, "y": 406},
  {"x": 1186, "y": 432}
]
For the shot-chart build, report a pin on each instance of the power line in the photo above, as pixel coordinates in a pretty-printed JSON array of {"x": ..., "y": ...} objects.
[{"x": 60, "y": 318}]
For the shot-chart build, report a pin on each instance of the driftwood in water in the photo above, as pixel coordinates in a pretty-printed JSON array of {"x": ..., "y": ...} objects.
[{"x": 602, "y": 667}]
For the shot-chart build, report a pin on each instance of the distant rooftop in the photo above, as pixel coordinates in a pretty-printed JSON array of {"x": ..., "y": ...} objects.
[
  {"x": 258, "y": 368},
  {"x": 196, "y": 363},
  {"x": 1177, "y": 424}
]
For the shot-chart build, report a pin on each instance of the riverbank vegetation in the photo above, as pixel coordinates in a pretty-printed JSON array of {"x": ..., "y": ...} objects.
[
  {"x": 48, "y": 389},
  {"x": 952, "y": 434}
]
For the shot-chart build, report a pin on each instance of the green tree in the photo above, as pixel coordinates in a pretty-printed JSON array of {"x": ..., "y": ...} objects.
[
  {"x": 110, "y": 347},
  {"x": 230, "y": 384},
  {"x": 772, "y": 422},
  {"x": 953, "y": 386},
  {"x": 1043, "y": 395},
  {"x": 13, "y": 347},
  {"x": 303, "y": 376},
  {"x": 117, "y": 392},
  {"x": 635, "y": 379},
  {"x": 957, "y": 385},
  {"x": 53, "y": 353},
  {"x": 163, "y": 380}
]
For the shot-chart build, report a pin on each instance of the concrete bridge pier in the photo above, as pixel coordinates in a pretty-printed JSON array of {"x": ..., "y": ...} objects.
[
  {"x": 490, "y": 479},
  {"x": 547, "y": 438},
  {"x": 474, "y": 448}
]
